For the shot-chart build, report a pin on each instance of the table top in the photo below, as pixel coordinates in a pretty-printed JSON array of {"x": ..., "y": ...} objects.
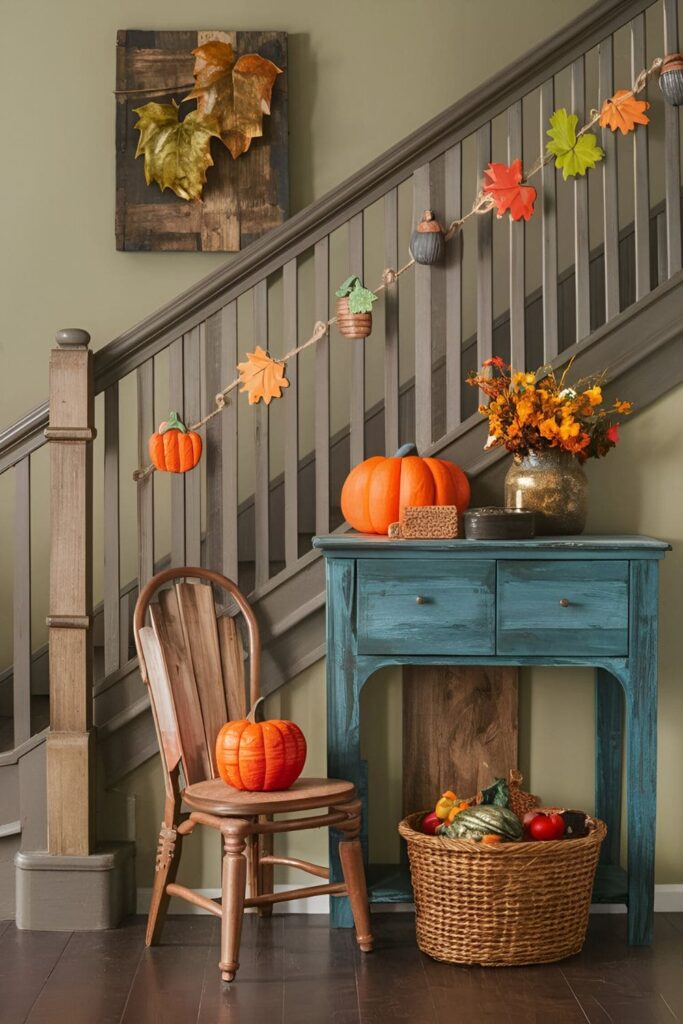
[{"x": 621, "y": 545}]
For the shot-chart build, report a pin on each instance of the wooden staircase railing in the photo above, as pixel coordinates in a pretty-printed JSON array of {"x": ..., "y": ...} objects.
[{"x": 273, "y": 292}]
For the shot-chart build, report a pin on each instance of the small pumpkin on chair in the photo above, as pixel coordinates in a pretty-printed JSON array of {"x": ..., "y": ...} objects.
[{"x": 260, "y": 756}]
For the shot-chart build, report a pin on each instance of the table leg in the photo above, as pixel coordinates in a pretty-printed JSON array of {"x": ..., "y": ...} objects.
[{"x": 608, "y": 744}]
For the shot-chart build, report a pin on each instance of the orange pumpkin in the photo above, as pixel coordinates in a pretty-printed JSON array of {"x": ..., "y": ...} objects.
[
  {"x": 260, "y": 756},
  {"x": 376, "y": 491},
  {"x": 174, "y": 448}
]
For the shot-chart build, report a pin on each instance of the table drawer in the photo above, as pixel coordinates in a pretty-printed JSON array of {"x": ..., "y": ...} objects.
[
  {"x": 562, "y": 608},
  {"x": 444, "y": 606}
]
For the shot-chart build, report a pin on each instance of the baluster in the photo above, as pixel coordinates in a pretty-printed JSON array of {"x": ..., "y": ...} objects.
[
  {"x": 672, "y": 168},
  {"x": 192, "y": 479},
  {"x": 610, "y": 206},
  {"x": 322, "y": 390},
  {"x": 112, "y": 537},
  {"x": 290, "y": 286},
  {"x": 176, "y": 398},
  {"x": 229, "y": 445},
  {"x": 145, "y": 488},
  {"x": 549, "y": 231},
  {"x": 423, "y": 322},
  {"x": 213, "y": 379},
  {"x": 453, "y": 211},
  {"x": 581, "y": 246},
  {"x": 391, "y": 374},
  {"x": 517, "y": 282},
  {"x": 22, "y": 602},
  {"x": 357, "y": 411},
  {"x": 261, "y": 449},
  {"x": 484, "y": 257},
  {"x": 641, "y": 186},
  {"x": 662, "y": 263}
]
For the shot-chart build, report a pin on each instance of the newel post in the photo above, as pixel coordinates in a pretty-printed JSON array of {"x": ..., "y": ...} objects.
[{"x": 70, "y": 770}]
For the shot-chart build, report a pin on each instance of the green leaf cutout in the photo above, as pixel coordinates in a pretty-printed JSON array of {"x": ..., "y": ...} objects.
[
  {"x": 347, "y": 287},
  {"x": 572, "y": 155},
  {"x": 361, "y": 299}
]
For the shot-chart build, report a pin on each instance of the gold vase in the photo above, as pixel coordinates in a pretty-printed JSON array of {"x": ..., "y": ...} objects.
[{"x": 552, "y": 484}]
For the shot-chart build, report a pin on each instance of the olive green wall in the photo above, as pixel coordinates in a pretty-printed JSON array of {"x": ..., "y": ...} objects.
[{"x": 637, "y": 489}]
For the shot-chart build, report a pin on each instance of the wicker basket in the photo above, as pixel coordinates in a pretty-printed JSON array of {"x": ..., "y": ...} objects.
[{"x": 499, "y": 905}]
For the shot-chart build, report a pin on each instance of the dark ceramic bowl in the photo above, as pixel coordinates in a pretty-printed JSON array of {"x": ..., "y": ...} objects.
[{"x": 499, "y": 524}]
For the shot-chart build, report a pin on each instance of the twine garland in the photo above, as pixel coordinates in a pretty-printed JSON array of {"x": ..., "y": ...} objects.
[{"x": 482, "y": 204}]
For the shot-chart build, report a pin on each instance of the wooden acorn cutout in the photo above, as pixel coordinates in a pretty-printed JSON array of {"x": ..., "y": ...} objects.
[
  {"x": 671, "y": 79},
  {"x": 427, "y": 241}
]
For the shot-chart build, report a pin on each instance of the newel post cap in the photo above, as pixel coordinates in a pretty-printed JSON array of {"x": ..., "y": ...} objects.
[{"x": 72, "y": 337}]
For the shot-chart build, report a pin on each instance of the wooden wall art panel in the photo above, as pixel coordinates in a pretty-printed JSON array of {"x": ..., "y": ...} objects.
[{"x": 242, "y": 198}]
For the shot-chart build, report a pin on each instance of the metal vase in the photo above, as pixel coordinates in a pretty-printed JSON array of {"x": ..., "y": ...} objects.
[{"x": 552, "y": 484}]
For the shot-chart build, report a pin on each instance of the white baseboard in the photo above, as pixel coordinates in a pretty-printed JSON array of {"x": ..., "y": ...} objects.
[{"x": 668, "y": 899}]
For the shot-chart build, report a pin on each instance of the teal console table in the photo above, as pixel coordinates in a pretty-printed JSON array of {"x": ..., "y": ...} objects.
[{"x": 552, "y": 601}]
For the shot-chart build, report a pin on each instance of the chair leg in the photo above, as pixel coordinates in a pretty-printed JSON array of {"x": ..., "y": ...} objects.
[
  {"x": 265, "y": 871},
  {"x": 234, "y": 885},
  {"x": 351, "y": 857},
  {"x": 166, "y": 869}
]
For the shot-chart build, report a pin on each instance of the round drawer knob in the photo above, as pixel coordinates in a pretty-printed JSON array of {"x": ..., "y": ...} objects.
[
  {"x": 564, "y": 603},
  {"x": 420, "y": 600}
]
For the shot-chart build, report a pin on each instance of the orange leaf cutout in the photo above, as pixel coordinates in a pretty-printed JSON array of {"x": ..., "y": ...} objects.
[
  {"x": 236, "y": 93},
  {"x": 505, "y": 188},
  {"x": 624, "y": 112},
  {"x": 262, "y": 377}
]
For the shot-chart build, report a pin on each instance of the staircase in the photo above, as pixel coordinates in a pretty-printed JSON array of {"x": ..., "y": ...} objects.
[{"x": 605, "y": 292}]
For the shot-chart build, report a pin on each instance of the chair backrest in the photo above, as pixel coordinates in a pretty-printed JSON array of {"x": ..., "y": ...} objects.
[{"x": 192, "y": 659}]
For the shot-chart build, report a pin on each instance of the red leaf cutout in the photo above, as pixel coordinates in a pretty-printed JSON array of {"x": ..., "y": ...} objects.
[{"x": 505, "y": 187}]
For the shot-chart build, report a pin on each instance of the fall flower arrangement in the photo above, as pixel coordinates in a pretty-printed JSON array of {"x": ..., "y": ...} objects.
[{"x": 532, "y": 412}]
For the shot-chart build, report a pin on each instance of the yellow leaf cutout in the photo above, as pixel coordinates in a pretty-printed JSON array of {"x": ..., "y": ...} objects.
[
  {"x": 262, "y": 377},
  {"x": 236, "y": 93},
  {"x": 176, "y": 152}
]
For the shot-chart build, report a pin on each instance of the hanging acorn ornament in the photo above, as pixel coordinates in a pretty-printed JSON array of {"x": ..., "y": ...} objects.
[
  {"x": 426, "y": 241},
  {"x": 671, "y": 79}
]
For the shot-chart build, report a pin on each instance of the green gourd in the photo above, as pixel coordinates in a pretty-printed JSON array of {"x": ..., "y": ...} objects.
[{"x": 484, "y": 820}]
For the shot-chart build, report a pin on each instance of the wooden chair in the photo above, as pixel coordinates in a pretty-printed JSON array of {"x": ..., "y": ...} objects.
[{"x": 192, "y": 659}]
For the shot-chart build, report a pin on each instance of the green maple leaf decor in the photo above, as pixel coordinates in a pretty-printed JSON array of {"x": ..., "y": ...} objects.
[
  {"x": 573, "y": 155},
  {"x": 176, "y": 152},
  {"x": 360, "y": 298}
]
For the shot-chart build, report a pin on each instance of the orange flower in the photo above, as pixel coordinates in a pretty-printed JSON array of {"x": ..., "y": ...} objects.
[
  {"x": 594, "y": 395},
  {"x": 623, "y": 407}
]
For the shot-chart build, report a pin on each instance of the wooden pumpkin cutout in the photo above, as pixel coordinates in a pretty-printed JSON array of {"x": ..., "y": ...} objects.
[{"x": 174, "y": 448}]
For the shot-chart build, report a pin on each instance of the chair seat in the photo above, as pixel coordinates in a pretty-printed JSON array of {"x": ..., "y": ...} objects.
[{"x": 215, "y": 797}]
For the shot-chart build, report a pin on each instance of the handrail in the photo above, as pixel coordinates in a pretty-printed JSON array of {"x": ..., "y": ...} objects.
[{"x": 151, "y": 335}]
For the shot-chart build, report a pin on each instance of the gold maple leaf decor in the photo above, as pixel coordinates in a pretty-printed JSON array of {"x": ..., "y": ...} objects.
[
  {"x": 262, "y": 377},
  {"x": 236, "y": 93},
  {"x": 176, "y": 152}
]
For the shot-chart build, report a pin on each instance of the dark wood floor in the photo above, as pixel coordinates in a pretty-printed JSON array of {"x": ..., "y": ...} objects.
[{"x": 296, "y": 971}]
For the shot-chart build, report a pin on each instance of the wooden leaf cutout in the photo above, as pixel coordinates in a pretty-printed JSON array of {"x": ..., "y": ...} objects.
[
  {"x": 236, "y": 93},
  {"x": 574, "y": 154},
  {"x": 505, "y": 187},
  {"x": 262, "y": 377},
  {"x": 176, "y": 152},
  {"x": 623, "y": 111}
]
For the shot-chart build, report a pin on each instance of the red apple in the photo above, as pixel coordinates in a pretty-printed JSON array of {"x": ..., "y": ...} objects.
[
  {"x": 430, "y": 823},
  {"x": 546, "y": 826}
]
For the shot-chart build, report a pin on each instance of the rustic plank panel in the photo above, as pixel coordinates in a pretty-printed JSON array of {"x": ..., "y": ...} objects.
[
  {"x": 549, "y": 231},
  {"x": 357, "y": 410},
  {"x": 261, "y": 448},
  {"x": 391, "y": 369},
  {"x": 322, "y": 389},
  {"x": 581, "y": 244},
  {"x": 21, "y": 678},
  {"x": 228, "y": 419},
  {"x": 459, "y": 730},
  {"x": 672, "y": 166},
  {"x": 641, "y": 183},
  {"x": 192, "y": 479},
  {"x": 112, "y": 539},
  {"x": 232, "y": 661},
  {"x": 517, "y": 281},
  {"x": 610, "y": 206},
  {"x": 453, "y": 274},
  {"x": 423, "y": 322},
  {"x": 242, "y": 198},
  {"x": 176, "y": 398},
  {"x": 484, "y": 260},
  {"x": 145, "y": 488},
  {"x": 290, "y": 289}
]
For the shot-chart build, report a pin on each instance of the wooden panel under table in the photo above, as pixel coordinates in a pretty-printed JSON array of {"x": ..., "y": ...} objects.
[
  {"x": 561, "y": 608},
  {"x": 431, "y": 607}
]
